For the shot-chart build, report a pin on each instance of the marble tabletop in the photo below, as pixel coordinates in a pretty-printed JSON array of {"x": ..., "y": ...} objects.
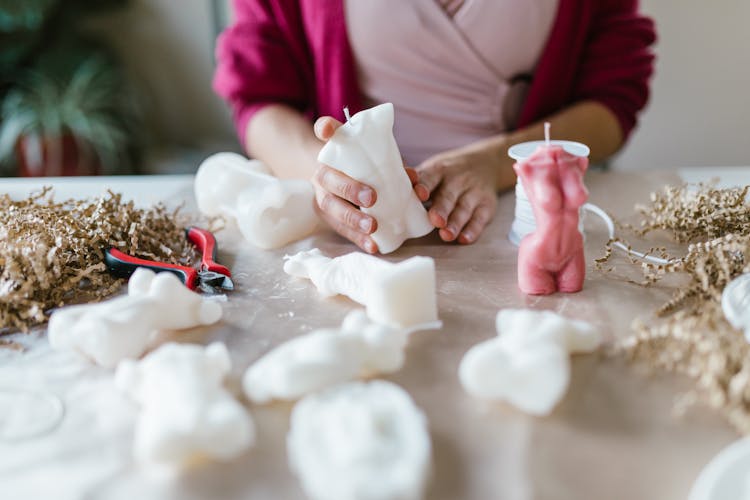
[{"x": 614, "y": 436}]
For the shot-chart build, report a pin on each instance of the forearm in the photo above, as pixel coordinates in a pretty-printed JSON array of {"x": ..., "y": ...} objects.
[
  {"x": 283, "y": 139},
  {"x": 588, "y": 122}
]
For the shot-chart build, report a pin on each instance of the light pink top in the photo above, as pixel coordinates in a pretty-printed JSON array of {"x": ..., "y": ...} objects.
[{"x": 456, "y": 71}]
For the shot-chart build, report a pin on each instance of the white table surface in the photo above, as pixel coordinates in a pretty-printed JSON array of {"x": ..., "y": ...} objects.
[{"x": 612, "y": 437}]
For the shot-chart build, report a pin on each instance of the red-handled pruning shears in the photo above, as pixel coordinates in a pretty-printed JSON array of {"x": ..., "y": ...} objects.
[{"x": 210, "y": 278}]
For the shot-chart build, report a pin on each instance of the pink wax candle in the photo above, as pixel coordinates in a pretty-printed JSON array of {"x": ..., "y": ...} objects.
[{"x": 550, "y": 176}]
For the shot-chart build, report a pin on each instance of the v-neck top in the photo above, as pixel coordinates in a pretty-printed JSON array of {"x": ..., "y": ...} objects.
[{"x": 456, "y": 71}]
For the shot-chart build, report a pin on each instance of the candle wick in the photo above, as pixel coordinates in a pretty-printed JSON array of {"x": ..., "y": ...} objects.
[
  {"x": 546, "y": 133},
  {"x": 346, "y": 113}
]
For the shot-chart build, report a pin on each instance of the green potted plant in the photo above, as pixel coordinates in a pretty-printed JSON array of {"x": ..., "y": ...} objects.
[{"x": 79, "y": 125}]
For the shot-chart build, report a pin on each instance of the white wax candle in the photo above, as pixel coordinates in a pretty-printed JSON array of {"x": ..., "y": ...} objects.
[
  {"x": 527, "y": 364},
  {"x": 364, "y": 149},
  {"x": 360, "y": 441},
  {"x": 326, "y": 357},
  {"x": 121, "y": 328},
  {"x": 186, "y": 413},
  {"x": 401, "y": 294},
  {"x": 270, "y": 212}
]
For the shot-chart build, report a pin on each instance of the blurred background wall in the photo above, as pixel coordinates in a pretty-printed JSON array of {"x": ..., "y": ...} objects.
[
  {"x": 168, "y": 47},
  {"x": 698, "y": 115}
]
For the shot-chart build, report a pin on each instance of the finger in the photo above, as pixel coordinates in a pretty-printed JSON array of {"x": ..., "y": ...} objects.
[
  {"x": 344, "y": 186},
  {"x": 325, "y": 127},
  {"x": 479, "y": 220},
  {"x": 421, "y": 191},
  {"x": 413, "y": 175},
  {"x": 363, "y": 241},
  {"x": 430, "y": 175},
  {"x": 459, "y": 217},
  {"x": 345, "y": 213},
  {"x": 443, "y": 204}
]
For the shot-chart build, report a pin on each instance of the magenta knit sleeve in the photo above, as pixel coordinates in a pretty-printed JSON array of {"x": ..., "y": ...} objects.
[
  {"x": 617, "y": 61},
  {"x": 258, "y": 61}
]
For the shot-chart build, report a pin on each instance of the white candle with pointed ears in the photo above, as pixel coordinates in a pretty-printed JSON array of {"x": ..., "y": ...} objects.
[{"x": 364, "y": 149}]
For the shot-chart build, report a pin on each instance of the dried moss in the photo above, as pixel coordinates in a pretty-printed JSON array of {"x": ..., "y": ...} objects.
[
  {"x": 52, "y": 253},
  {"x": 690, "y": 334}
]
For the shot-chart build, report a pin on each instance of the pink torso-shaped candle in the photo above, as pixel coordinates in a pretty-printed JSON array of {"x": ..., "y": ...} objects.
[{"x": 551, "y": 258}]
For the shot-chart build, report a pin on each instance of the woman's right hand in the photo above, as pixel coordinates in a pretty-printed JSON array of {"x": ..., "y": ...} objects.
[{"x": 338, "y": 197}]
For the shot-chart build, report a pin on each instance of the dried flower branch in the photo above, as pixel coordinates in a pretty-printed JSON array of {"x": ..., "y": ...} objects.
[
  {"x": 52, "y": 253},
  {"x": 692, "y": 336}
]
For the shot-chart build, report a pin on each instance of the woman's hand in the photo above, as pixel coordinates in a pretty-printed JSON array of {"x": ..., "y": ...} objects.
[
  {"x": 338, "y": 197},
  {"x": 462, "y": 185}
]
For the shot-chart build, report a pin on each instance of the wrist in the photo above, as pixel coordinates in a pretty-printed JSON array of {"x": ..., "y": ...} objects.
[{"x": 494, "y": 154}]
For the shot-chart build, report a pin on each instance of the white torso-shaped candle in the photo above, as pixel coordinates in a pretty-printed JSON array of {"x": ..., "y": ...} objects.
[
  {"x": 364, "y": 148},
  {"x": 269, "y": 212}
]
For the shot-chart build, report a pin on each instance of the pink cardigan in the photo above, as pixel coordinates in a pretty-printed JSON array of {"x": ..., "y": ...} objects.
[{"x": 297, "y": 52}]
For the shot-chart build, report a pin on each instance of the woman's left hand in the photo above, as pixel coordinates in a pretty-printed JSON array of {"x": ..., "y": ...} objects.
[{"x": 462, "y": 185}]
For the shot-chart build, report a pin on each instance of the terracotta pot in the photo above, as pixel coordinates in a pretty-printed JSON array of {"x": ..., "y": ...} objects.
[{"x": 55, "y": 156}]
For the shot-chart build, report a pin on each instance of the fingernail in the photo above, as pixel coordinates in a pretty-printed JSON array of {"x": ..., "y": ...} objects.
[
  {"x": 370, "y": 246},
  {"x": 467, "y": 236},
  {"x": 366, "y": 197},
  {"x": 451, "y": 231},
  {"x": 365, "y": 225}
]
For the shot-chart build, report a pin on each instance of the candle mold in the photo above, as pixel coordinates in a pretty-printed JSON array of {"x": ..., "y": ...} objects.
[
  {"x": 326, "y": 357},
  {"x": 364, "y": 149},
  {"x": 120, "y": 328},
  {"x": 269, "y": 212},
  {"x": 360, "y": 441},
  {"x": 401, "y": 294},
  {"x": 527, "y": 364},
  {"x": 186, "y": 414}
]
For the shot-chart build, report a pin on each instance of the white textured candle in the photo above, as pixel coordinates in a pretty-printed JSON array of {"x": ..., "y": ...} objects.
[
  {"x": 527, "y": 364},
  {"x": 121, "y": 328},
  {"x": 270, "y": 212},
  {"x": 364, "y": 149},
  {"x": 360, "y": 441},
  {"x": 322, "y": 358},
  {"x": 186, "y": 413},
  {"x": 401, "y": 295}
]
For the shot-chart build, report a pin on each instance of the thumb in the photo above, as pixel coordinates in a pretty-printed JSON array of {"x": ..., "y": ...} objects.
[{"x": 325, "y": 127}]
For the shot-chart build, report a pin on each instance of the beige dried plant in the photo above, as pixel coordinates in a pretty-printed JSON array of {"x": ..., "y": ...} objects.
[
  {"x": 52, "y": 253},
  {"x": 690, "y": 334}
]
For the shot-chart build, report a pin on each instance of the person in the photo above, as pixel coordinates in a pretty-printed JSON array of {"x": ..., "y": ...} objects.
[{"x": 468, "y": 79}]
